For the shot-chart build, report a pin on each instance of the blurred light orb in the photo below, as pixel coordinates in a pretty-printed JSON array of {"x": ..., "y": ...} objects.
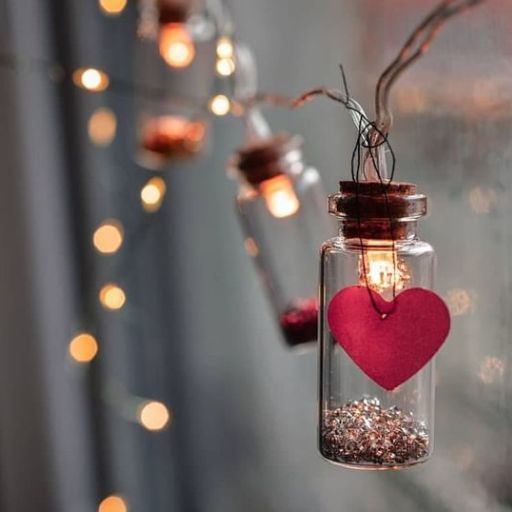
[
  {"x": 152, "y": 194},
  {"x": 491, "y": 369},
  {"x": 154, "y": 415},
  {"x": 91, "y": 79},
  {"x": 175, "y": 45},
  {"x": 482, "y": 199},
  {"x": 225, "y": 67},
  {"x": 113, "y": 7},
  {"x": 112, "y": 297},
  {"x": 459, "y": 301},
  {"x": 220, "y": 105},
  {"x": 102, "y": 126},
  {"x": 113, "y": 504},
  {"x": 108, "y": 237},
  {"x": 83, "y": 348},
  {"x": 225, "y": 49}
]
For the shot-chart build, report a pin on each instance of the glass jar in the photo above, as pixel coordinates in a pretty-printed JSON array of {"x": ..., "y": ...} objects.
[
  {"x": 281, "y": 204},
  {"x": 362, "y": 424}
]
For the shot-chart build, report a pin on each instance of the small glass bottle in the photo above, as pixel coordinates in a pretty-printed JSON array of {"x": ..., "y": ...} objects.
[
  {"x": 362, "y": 425},
  {"x": 281, "y": 204}
]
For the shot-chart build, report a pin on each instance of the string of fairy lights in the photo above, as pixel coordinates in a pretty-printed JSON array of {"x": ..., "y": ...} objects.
[{"x": 176, "y": 47}]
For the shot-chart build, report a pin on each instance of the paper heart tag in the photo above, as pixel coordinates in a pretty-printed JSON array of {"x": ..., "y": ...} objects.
[{"x": 390, "y": 350}]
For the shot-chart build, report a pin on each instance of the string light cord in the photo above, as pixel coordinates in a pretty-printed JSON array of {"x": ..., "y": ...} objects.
[{"x": 415, "y": 47}]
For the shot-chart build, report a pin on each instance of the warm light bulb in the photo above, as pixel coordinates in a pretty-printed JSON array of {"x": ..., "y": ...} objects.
[
  {"x": 83, "y": 348},
  {"x": 102, "y": 126},
  {"x": 225, "y": 67},
  {"x": 220, "y": 105},
  {"x": 108, "y": 237},
  {"x": 113, "y": 7},
  {"x": 112, "y": 297},
  {"x": 152, "y": 194},
  {"x": 176, "y": 45},
  {"x": 279, "y": 196},
  {"x": 225, "y": 49},
  {"x": 383, "y": 271},
  {"x": 91, "y": 79},
  {"x": 154, "y": 415},
  {"x": 113, "y": 504}
]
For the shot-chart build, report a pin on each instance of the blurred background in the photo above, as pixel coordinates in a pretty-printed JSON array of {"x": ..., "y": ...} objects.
[{"x": 171, "y": 388}]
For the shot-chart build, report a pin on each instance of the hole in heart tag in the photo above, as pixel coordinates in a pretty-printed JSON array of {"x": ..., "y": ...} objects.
[{"x": 390, "y": 347}]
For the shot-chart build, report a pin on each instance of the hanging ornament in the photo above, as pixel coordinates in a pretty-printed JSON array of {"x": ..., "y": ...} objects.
[
  {"x": 280, "y": 202},
  {"x": 380, "y": 323},
  {"x": 281, "y": 206}
]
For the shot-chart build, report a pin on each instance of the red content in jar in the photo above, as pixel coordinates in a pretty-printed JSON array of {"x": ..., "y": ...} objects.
[{"x": 299, "y": 322}]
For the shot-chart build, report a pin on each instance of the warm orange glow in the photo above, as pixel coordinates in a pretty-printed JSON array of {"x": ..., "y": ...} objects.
[
  {"x": 152, "y": 194},
  {"x": 112, "y": 297},
  {"x": 220, "y": 105},
  {"x": 381, "y": 272},
  {"x": 173, "y": 136},
  {"x": 154, "y": 415},
  {"x": 225, "y": 67},
  {"x": 113, "y": 7},
  {"x": 83, "y": 348},
  {"x": 102, "y": 126},
  {"x": 176, "y": 45},
  {"x": 460, "y": 301},
  {"x": 225, "y": 49},
  {"x": 91, "y": 79},
  {"x": 279, "y": 196},
  {"x": 108, "y": 237},
  {"x": 113, "y": 504}
]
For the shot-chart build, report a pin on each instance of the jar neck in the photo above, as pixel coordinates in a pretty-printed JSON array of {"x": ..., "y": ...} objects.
[{"x": 377, "y": 231}]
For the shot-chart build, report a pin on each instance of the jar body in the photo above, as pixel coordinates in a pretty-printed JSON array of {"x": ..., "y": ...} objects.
[
  {"x": 361, "y": 424},
  {"x": 285, "y": 221}
]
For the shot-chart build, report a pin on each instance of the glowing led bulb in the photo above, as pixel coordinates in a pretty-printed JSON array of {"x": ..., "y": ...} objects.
[
  {"x": 176, "y": 45},
  {"x": 154, "y": 415},
  {"x": 383, "y": 270},
  {"x": 112, "y": 297},
  {"x": 220, "y": 105},
  {"x": 225, "y": 49},
  {"x": 91, "y": 79},
  {"x": 83, "y": 348},
  {"x": 113, "y": 7},
  {"x": 279, "y": 196},
  {"x": 108, "y": 237},
  {"x": 102, "y": 126},
  {"x": 113, "y": 504},
  {"x": 225, "y": 67},
  {"x": 152, "y": 194}
]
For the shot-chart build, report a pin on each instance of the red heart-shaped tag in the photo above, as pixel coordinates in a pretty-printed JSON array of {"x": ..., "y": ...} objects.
[{"x": 389, "y": 350}]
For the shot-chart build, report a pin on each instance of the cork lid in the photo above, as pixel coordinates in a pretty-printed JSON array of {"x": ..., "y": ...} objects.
[
  {"x": 268, "y": 158},
  {"x": 173, "y": 11},
  {"x": 374, "y": 200}
]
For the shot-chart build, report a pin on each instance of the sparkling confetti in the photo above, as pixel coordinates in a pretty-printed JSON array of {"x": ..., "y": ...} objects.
[{"x": 363, "y": 433}]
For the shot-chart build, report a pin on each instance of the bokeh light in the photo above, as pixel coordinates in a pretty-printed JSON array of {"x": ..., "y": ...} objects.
[
  {"x": 491, "y": 369},
  {"x": 175, "y": 45},
  {"x": 83, "y": 348},
  {"x": 459, "y": 301},
  {"x": 108, "y": 237},
  {"x": 482, "y": 199},
  {"x": 91, "y": 79},
  {"x": 113, "y": 504},
  {"x": 154, "y": 415},
  {"x": 220, "y": 105},
  {"x": 225, "y": 49},
  {"x": 113, "y": 7},
  {"x": 112, "y": 297},
  {"x": 152, "y": 194},
  {"x": 102, "y": 126},
  {"x": 225, "y": 67}
]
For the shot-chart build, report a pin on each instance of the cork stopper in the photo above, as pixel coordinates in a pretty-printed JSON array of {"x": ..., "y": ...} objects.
[
  {"x": 268, "y": 158},
  {"x": 173, "y": 11},
  {"x": 372, "y": 210}
]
